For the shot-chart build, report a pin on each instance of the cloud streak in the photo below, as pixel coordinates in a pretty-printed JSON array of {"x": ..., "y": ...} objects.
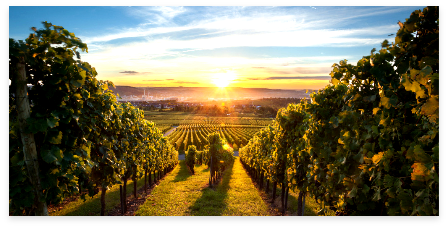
[
  {"x": 129, "y": 72},
  {"x": 285, "y": 78},
  {"x": 132, "y": 72},
  {"x": 185, "y": 82}
]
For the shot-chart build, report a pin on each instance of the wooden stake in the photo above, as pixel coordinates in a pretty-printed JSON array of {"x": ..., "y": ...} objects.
[{"x": 29, "y": 145}]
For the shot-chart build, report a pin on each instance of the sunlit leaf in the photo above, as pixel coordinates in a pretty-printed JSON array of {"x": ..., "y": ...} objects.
[
  {"x": 375, "y": 110},
  {"x": 377, "y": 157},
  {"x": 56, "y": 139},
  {"x": 431, "y": 107}
]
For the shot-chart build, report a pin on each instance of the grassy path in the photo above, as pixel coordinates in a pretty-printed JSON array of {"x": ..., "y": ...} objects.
[
  {"x": 169, "y": 131},
  {"x": 183, "y": 194}
]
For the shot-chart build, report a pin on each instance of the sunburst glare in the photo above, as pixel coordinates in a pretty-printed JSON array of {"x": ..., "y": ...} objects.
[{"x": 223, "y": 80}]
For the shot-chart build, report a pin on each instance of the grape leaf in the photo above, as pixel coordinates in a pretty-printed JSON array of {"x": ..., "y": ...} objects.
[
  {"x": 431, "y": 107},
  {"x": 413, "y": 86},
  {"x": 52, "y": 122},
  {"x": 375, "y": 110},
  {"x": 385, "y": 101},
  {"x": 56, "y": 139},
  {"x": 48, "y": 156},
  {"x": 377, "y": 157}
]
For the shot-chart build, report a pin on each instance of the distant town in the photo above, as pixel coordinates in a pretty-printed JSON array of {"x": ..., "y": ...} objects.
[
  {"x": 202, "y": 94},
  {"x": 211, "y": 101}
]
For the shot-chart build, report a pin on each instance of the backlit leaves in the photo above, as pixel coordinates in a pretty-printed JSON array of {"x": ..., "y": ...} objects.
[
  {"x": 431, "y": 108},
  {"x": 74, "y": 118},
  {"x": 376, "y": 156}
]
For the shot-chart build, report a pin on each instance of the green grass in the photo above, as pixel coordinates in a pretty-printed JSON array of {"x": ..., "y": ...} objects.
[
  {"x": 92, "y": 205},
  {"x": 311, "y": 206},
  {"x": 168, "y": 117},
  {"x": 183, "y": 194}
]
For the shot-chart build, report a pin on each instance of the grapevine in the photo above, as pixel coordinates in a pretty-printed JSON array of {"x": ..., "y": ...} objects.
[
  {"x": 85, "y": 140},
  {"x": 368, "y": 143}
]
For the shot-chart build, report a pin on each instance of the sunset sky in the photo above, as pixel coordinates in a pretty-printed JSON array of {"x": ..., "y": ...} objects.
[{"x": 263, "y": 47}]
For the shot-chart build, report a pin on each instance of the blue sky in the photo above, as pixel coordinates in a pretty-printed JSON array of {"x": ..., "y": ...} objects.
[{"x": 269, "y": 47}]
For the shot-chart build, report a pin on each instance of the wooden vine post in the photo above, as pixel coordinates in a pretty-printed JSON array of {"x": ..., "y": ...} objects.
[{"x": 29, "y": 145}]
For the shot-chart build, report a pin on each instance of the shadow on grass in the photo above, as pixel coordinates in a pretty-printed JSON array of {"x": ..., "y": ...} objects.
[
  {"x": 92, "y": 206},
  {"x": 293, "y": 206},
  {"x": 183, "y": 173},
  {"x": 310, "y": 206},
  {"x": 212, "y": 201}
]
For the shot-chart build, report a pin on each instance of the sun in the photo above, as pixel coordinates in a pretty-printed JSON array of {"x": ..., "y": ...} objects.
[{"x": 223, "y": 80}]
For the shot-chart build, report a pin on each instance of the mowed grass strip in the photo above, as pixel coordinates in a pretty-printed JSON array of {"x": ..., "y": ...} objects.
[
  {"x": 183, "y": 194},
  {"x": 176, "y": 193}
]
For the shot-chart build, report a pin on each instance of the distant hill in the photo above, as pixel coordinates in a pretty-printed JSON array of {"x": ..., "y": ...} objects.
[
  {"x": 126, "y": 90},
  {"x": 204, "y": 93}
]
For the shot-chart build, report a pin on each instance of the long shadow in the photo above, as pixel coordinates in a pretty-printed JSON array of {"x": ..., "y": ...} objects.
[
  {"x": 93, "y": 205},
  {"x": 292, "y": 206},
  {"x": 212, "y": 200},
  {"x": 183, "y": 173}
]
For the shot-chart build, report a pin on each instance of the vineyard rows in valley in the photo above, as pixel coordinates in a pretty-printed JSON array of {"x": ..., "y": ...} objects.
[
  {"x": 193, "y": 129},
  {"x": 168, "y": 119},
  {"x": 196, "y": 134}
]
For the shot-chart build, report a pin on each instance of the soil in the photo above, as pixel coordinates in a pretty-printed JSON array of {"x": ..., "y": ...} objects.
[
  {"x": 274, "y": 207},
  {"x": 132, "y": 202}
]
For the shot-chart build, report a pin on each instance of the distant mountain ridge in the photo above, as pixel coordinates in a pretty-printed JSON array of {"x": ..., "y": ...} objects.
[
  {"x": 203, "y": 93},
  {"x": 126, "y": 90}
]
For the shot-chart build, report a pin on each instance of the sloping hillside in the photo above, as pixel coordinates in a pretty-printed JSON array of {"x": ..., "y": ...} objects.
[{"x": 127, "y": 90}]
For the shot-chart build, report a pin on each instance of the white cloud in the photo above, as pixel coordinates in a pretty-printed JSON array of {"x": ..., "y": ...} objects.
[
  {"x": 258, "y": 23},
  {"x": 232, "y": 28},
  {"x": 157, "y": 14}
]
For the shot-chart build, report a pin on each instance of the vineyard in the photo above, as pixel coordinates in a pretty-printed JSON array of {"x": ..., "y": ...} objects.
[
  {"x": 79, "y": 142},
  {"x": 191, "y": 129},
  {"x": 367, "y": 144},
  {"x": 196, "y": 134},
  {"x": 83, "y": 140},
  {"x": 179, "y": 118}
]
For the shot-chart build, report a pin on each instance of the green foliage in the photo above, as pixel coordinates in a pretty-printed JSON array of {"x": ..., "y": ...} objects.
[
  {"x": 220, "y": 154},
  {"x": 368, "y": 144},
  {"x": 190, "y": 157},
  {"x": 85, "y": 139}
]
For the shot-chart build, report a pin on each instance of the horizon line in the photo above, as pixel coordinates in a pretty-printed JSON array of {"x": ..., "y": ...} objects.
[{"x": 206, "y": 87}]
